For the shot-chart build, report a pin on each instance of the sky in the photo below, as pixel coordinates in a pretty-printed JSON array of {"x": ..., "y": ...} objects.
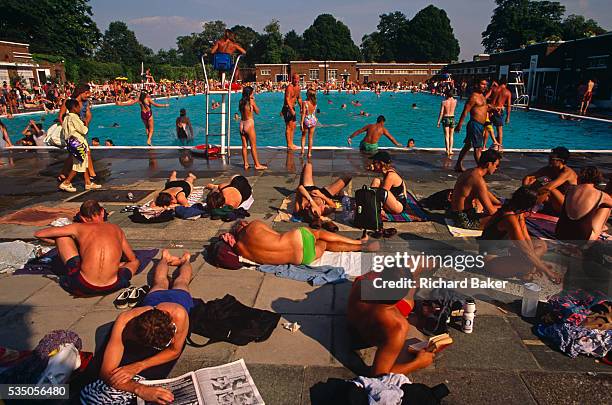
[{"x": 157, "y": 23}]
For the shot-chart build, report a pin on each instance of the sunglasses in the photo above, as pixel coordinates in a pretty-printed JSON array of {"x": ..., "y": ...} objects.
[{"x": 170, "y": 341}]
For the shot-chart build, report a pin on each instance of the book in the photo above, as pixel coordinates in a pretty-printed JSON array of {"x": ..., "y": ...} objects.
[
  {"x": 226, "y": 384},
  {"x": 434, "y": 344}
]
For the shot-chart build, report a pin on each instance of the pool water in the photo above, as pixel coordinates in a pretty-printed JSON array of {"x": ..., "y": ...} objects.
[{"x": 528, "y": 130}]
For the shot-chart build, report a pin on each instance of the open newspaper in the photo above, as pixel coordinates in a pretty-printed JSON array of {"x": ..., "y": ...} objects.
[{"x": 227, "y": 384}]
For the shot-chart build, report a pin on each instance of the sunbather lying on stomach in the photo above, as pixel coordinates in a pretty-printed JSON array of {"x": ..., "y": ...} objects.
[
  {"x": 257, "y": 242},
  {"x": 96, "y": 254}
]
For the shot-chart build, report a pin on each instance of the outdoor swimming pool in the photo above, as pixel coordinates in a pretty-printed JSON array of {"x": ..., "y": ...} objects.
[{"x": 528, "y": 130}]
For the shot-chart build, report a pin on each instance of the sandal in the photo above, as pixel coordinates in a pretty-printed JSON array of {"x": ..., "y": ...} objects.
[
  {"x": 121, "y": 302},
  {"x": 330, "y": 226},
  {"x": 136, "y": 295}
]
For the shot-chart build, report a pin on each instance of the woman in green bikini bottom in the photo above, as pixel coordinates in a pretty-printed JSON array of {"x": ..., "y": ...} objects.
[{"x": 257, "y": 242}]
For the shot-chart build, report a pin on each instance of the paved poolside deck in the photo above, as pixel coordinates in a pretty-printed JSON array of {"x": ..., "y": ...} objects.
[{"x": 501, "y": 362}]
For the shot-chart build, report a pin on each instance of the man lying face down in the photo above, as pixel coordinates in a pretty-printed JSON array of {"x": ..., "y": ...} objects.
[
  {"x": 97, "y": 256},
  {"x": 257, "y": 242}
]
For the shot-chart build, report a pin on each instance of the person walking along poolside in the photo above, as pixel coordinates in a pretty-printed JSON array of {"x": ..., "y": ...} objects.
[
  {"x": 502, "y": 99},
  {"x": 309, "y": 120},
  {"x": 447, "y": 118},
  {"x": 292, "y": 95},
  {"x": 477, "y": 107}
]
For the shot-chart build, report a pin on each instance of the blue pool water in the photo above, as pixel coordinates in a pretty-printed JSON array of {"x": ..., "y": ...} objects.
[{"x": 531, "y": 130}]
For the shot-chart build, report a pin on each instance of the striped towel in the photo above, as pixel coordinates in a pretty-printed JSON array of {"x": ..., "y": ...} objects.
[
  {"x": 413, "y": 212},
  {"x": 196, "y": 196},
  {"x": 543, "y": 226}
]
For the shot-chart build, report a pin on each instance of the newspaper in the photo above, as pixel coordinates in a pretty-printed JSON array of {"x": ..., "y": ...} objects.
[{"x": 222, "y": 385}]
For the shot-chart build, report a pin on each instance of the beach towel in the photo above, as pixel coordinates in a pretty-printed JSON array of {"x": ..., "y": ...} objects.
[
  {"x": 148, "y": 212},
  {"x": 313, "y": 275},
  {"x": 285, "y": 212},
  {"x": 354, "y": 263},
  {"x": 38, "y": 215},
  {"x": 413, "y": 212},
  {"x": 50, "y": 263},
  {"x": 15, "y": 254},
  {"x": 543, "y": 226},
  {"x": 461, "y": 232}
]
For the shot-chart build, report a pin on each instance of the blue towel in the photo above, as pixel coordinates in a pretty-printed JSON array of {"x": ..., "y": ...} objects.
[
  {"x": 318, "y": 275},
  {"x": 195, "y": 210}
]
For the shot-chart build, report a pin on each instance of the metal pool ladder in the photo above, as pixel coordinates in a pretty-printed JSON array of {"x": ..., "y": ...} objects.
[
  {"x": 521, "y": 98},
  {"x": 224, "y": 113}
]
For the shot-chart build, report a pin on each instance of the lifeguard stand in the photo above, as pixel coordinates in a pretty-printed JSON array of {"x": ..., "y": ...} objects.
[
  {"x": 521, "y": 98},
  {"x": 224, "y": 113}
]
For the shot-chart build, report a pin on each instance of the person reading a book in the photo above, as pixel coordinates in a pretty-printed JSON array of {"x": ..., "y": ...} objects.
[
  {"x": 378, "y": 317},
  {"x": 160, "y": 323}
]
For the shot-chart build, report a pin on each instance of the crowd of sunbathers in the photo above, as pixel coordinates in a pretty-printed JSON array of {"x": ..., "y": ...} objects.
[{"x": 99, "y": 260}]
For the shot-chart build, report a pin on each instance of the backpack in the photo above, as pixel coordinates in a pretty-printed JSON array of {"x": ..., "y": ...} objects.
[
  {"x": 368, "y": 208},
  {"x": 228, "y": 320},
  {"x": 55, "y": 136}
]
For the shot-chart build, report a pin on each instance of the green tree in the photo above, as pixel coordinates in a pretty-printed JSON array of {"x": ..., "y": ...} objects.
[
  {"x": 428, "y": 37},
  {"x": 269, "y": 46},
  {"x": 576, "y": 26},
  {"x": 294, "y": 41},
  {"x": 211, "y": 32},
  {"x": 246, "y": 38},
  {"x": 328, "y": 38},
  {"x": 371, "y": 48},
  {"x": 516, "y": 22},
  {"x": 61, "y": 27},
  {"x": 120, "y": 44},
  {"x": 392, "y": 29}
]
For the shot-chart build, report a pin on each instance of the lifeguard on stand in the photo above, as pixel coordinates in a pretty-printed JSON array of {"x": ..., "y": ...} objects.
[{"x": 222, "y": 52}]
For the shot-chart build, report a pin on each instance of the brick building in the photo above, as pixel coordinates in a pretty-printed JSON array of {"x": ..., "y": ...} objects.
[
  {"x": 551, "y": 71},
  {"x": 397, "y": 72},
  {"x": 16, "y": 62},
  {"x": 336, "y": 70}
]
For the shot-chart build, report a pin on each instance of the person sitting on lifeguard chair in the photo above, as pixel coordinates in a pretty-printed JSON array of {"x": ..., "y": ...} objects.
[{"x": 223, "y": 50}]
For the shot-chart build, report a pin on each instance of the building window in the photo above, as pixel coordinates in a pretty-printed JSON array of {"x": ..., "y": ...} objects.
[
  {"x": 492, "y": 69},
  {"x": 598, "y": 62},
  {"x": 314, "y": 74},
  {"x": 435, "y": 71},
  {"x": 265, "y": 72},
  {"x": 332, "y": 74},
  {"x": 365, "y": 71}
]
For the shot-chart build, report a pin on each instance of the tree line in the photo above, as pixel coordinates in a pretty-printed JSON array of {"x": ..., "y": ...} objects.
[{"x": 65, "y": 28}]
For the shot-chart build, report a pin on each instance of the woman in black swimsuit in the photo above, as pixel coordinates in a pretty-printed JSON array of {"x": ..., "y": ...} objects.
[
  {"x": 312, "y": 202},
  {"x": 234, "y": 193},
  {"x": 506, "y": 245},
  {"x": 395, "y": 197},
  {"x": 175, "y": 191}
]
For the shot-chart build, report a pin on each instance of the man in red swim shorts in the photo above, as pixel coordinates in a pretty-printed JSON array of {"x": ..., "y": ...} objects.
[
  {"x": 97, "y": 256},
  {"x": 587, "y": 97}
]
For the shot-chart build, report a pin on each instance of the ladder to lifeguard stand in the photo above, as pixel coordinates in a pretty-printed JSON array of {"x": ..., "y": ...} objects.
[
  {"x": 224, "y": 113},
  {"x": 521, "y": 98}
]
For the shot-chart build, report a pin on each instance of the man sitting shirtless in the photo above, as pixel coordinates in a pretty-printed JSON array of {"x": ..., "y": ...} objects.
[
  {"x": 259, "y": 243},
  {"x": 471, "y": 194},
  {"x": 96, "y": 254}
]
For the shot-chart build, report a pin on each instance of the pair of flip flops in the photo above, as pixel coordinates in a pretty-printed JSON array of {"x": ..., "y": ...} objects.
[
  {"x": 384, "y": 233},
  {"x": 327, "y": 225},
  {"x": 130, "y": 297}
]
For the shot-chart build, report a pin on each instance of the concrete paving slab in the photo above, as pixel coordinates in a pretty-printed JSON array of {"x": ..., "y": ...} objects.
[
  {"x": 492, "y": 345},
  {"x": 553, "y": 360},
  {"x": 315, "y": 390},
  {"x": 311, "y": 345},
  {"x": 52, "y": 295},
  {"x": 469, "y": 387},
  {"x": 280, "y": 385},
  {"x": 16, "y": 289},
  {"x": 25, "y": 325},
  {"x": 94, "y": 328},
  {"x": 294, "y": 297},
  {"x": 568, "y": 388},
  {"x": 212, "y": 287}
]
